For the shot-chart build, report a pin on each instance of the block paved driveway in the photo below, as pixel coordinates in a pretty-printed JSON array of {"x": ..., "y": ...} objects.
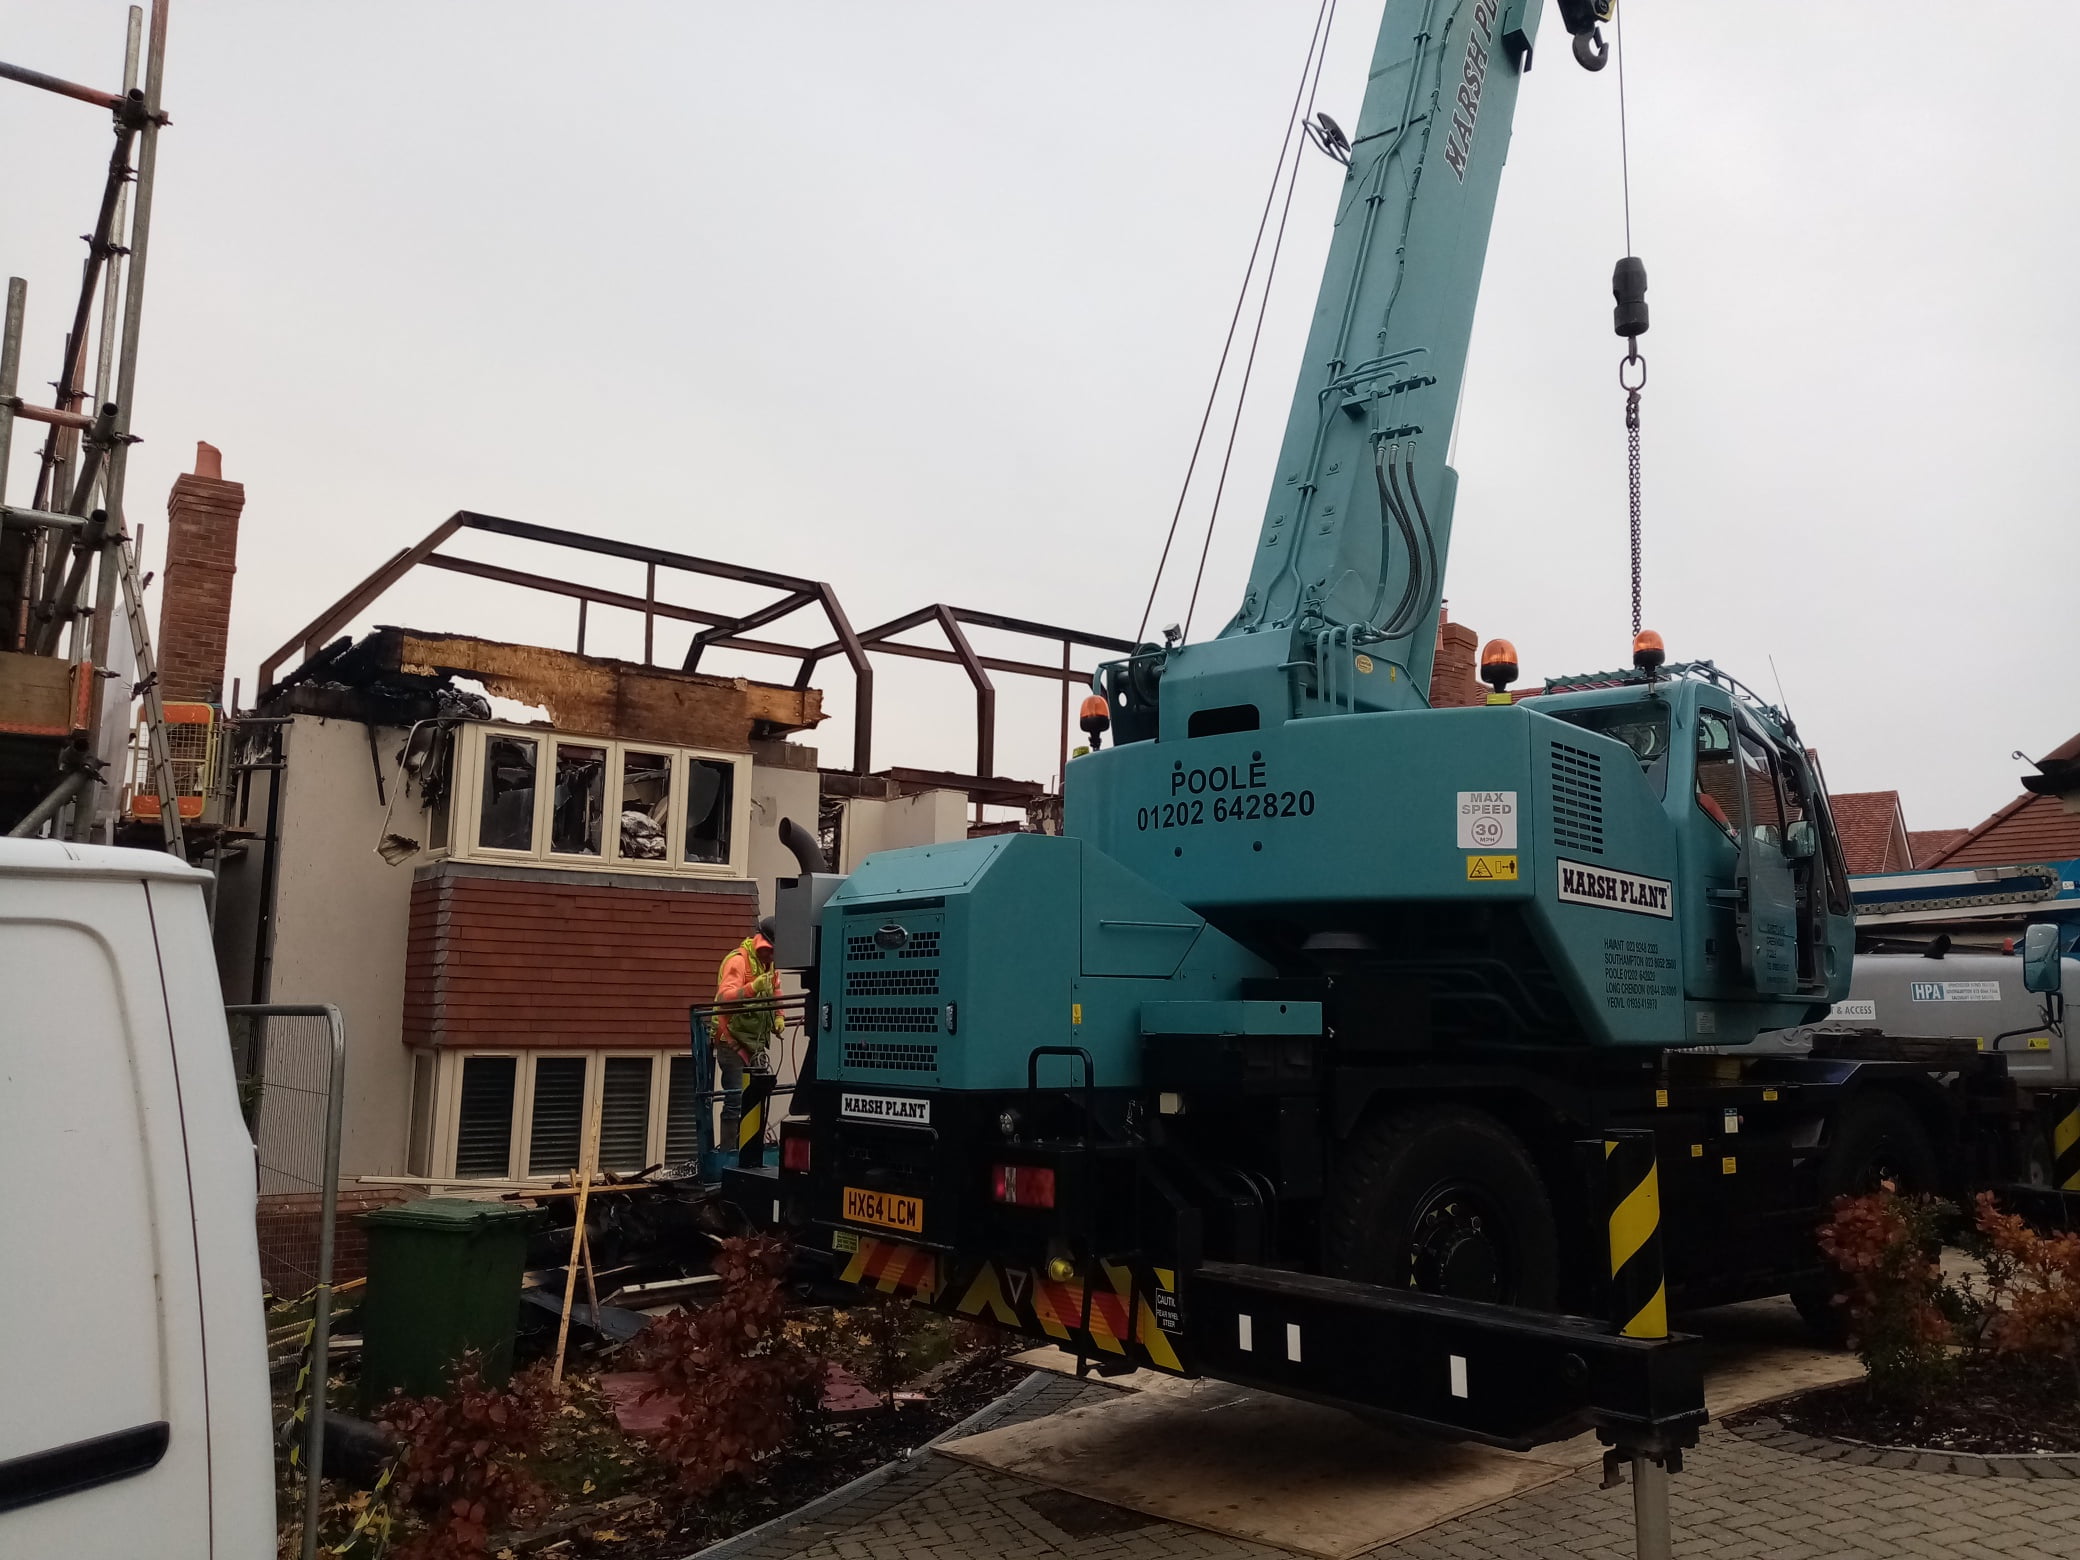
[{"x": 1735, "y": 1499}]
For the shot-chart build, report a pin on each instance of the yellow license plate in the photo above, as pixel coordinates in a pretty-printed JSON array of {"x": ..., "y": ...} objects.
[{"x": 885, "y": 1208}]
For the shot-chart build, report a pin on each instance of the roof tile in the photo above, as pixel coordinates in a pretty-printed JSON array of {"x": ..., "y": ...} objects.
[{"x": 1873, "y": 831}]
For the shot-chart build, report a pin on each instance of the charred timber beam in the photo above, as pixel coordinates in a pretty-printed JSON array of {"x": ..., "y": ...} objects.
[{"x": 994, "y": 789}]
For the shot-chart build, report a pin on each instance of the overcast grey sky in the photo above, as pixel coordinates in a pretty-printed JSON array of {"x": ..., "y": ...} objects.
[{"x": 923, "y": 299}]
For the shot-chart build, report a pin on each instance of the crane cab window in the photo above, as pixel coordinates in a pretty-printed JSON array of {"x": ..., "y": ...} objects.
[
  {"x": 1718, "y": 780},
  {"x": 1641, "y": 726},
  {"x": 1765, "y": 793}
]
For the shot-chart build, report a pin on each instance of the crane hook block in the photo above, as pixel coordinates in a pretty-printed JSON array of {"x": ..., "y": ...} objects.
[
  {"x": 1629, "y": 287},
  {"x": 1580, "y": 18}
]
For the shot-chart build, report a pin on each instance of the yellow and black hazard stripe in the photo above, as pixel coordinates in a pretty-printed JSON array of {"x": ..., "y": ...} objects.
[
  {"x": 1639, "y": 1290},
  {"x": 2064, "y": 1111},
  {"x": 1031, "y": 1302},
  {"x": 893, "y": 1268},
  {"x": 751, "y": 1127}
]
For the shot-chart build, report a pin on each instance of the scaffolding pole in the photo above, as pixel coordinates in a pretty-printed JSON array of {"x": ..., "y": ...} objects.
[{"x": 70, "y": 546}]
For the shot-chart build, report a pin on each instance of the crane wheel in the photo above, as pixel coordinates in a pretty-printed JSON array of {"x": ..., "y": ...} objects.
[
  {"x": 1877, "y": 1139},
  {"x": 1444, "y": 1200}
]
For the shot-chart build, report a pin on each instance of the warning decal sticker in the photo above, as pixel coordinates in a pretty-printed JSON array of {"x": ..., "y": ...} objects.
[{"x": 1487, "y": 820}]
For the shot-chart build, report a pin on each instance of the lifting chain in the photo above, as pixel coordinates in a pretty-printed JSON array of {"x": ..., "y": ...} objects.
[
  {"x": 1629, "y": 289},
  {"x": 1632, "y": 364}
]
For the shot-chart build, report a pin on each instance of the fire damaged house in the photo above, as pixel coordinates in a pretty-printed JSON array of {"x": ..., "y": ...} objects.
[
  {"x": 526, "y": 910},
  {"x": 515, "y": 868}
]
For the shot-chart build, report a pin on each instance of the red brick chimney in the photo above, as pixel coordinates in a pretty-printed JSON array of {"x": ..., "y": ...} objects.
[
  {"x": 195, "y": 594},
  {"x": 1453, "y": 683}
]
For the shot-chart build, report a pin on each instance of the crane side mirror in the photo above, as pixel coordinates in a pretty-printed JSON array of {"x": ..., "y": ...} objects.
[
  {"x": 2041, "y": 971},
  {"x": 1801, "y": 840}
]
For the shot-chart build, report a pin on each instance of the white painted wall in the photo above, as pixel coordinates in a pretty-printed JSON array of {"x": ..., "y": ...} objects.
[
  {"x": 930, "y": 818},
  {"x": 777, "y": 793},
  {"x": 341, "y": 915}
]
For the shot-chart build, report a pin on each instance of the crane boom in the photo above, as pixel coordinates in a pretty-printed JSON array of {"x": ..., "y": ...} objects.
[
  {"x": 1341, "y": 606},
  {"x": 1358, "y": 523}
]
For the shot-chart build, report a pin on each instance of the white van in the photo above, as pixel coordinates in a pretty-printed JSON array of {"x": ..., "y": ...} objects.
[{"x": 133, "y": 1358}]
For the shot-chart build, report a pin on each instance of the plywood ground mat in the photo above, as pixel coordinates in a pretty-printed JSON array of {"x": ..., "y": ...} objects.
[{"x": 1302, "y": 1477}]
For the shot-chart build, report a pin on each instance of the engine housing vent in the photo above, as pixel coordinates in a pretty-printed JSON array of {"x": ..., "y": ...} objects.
[
  {"x": 891, "y": 1056},
  {"x": 1577, "y": 780}
]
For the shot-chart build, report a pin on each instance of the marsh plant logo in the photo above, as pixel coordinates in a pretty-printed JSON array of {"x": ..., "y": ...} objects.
[{"x": 1466, "y": 113}]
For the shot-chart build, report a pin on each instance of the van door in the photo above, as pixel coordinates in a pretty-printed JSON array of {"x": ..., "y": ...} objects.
[{"x": 103, "y": 1437}]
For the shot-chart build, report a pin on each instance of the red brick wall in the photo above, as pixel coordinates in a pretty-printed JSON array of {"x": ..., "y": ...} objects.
[
  {"x": 1453, "y": 684},
  {"x": 516, "y": 961},
  {"x": 195, "y": 595},
  {"x": 288, "y": 1226}
]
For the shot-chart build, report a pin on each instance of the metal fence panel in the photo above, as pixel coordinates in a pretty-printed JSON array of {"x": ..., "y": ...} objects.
[{"x": 291, "y": 1067}]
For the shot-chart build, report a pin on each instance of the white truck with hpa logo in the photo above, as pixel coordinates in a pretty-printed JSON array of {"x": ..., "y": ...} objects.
[{"x": 1978, "y": 997}]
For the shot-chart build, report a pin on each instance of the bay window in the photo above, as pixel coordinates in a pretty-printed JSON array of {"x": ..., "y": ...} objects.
[
  {"x": 522, "y": 1115},
  {"x": 537, "y": 796}
]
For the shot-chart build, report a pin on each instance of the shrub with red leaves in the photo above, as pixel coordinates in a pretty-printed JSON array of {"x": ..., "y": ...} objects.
[
  {"x": 2034, "y": 1282},
  {"x": 461, "y": 1458},
  {"x": 1887, "y": 1249},
  {"x": 738, "y": 1380}
]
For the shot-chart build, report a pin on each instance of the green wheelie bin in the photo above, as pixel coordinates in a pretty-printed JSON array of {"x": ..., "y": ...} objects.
[{"x": 443, "y": 1278}]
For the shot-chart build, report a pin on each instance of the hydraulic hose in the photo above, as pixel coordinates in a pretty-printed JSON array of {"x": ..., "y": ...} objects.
[
  {"x": 1390, "y": 507},
  {"x": 1430, "y": 579},
  {"x": 1398, "y": 623}
]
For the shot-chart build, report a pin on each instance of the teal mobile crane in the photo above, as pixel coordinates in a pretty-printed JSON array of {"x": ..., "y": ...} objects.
[{"x": 1332, "y": 1046}]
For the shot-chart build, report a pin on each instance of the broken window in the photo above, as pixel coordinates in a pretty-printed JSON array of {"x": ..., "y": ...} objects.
[
  {"x": 484, "y": 1124},
  {"x": 556, "y": 1138},
  {"x": 646, "y": 799},
  {"x": 711, "y": 785},
  {"x": 624, "y": 1113},
  {"x": 507, "y": 819},
  {"x": 580, "y": 801}
]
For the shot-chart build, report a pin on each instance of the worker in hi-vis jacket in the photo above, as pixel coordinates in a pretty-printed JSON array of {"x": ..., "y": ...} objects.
[{"x": 741, "y": 1035}]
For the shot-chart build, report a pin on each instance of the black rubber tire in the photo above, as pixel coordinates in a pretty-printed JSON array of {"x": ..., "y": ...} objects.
[
  {"x": 1878, "y": 1136},
  {"x": 1396, "y": 1164}
]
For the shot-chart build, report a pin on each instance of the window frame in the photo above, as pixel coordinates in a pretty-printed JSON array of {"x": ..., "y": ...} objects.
[
  {"x": 447, "y": 1130},
  {"x": 465, "y": 804},
  {"x": 447, "y": 1121}
]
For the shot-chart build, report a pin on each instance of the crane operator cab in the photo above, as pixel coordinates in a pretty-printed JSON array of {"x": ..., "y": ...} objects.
[{"x": 1753, "y": 833}]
